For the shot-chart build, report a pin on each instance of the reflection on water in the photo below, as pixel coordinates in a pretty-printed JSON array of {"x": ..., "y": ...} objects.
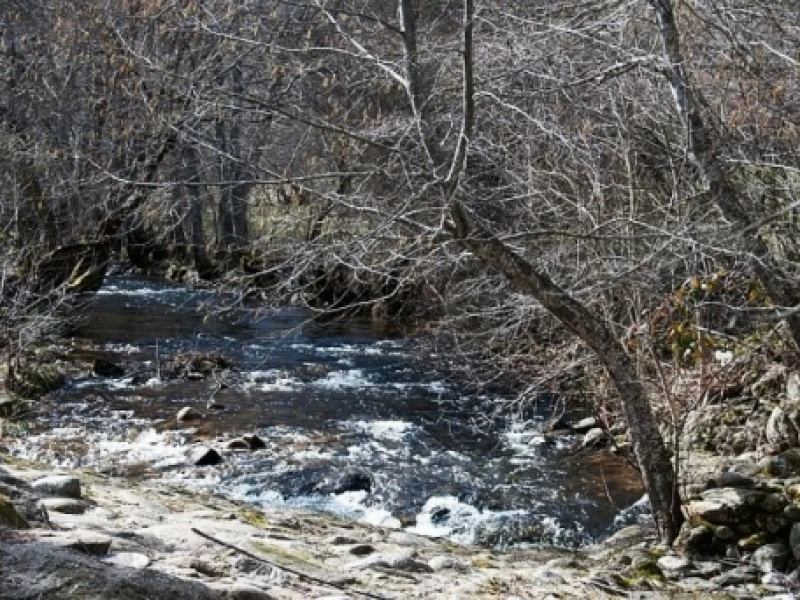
[{"x": 330, "y": 400}]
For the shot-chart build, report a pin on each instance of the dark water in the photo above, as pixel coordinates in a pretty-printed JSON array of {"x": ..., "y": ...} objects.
[{"x": 337, "y": 403}]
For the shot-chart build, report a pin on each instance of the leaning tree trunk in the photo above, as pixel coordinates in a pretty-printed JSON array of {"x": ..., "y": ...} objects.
[
  {"x": 658, "y": 473},
  {"x": 703, "y": 145}
]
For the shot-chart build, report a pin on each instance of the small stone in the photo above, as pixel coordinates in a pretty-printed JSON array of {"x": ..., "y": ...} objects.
[
  {"x": 447, "y": 563},
  {"x": 58, "y": 485},
  {"x": 547, "y": 577},
  {"x": 202, "y": 456},
  {"x": 67, "y": 506},
  {"x": 105, "y": 368},
  {"x": 340, "y": 540},
  {"x": 188, "y": 413},
  {"x": 771, "y": 558},
  {"x": 775, "y": 581},
  {"x": 238, "y": 444},
  {"x": 595, "y": 438},
  {"x": 708, "y": 568},
  {"x": 753, "y": 542},
  {"x": 207, "y": 568},
  {"x": 128, "y": 560},
  {"x": 674, "y": 567},
  {"x": 361, "y": 550},
  {"x": 256, "y": 443},
  {"x": 7, "y": 407},
  {"x": 695, "y": 540},
  {"x": 584, "y": 425},
  {"x": 793, "y": 388}
]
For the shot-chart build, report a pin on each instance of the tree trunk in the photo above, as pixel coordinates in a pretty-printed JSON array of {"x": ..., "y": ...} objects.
[
  {"x": 649, "y": 448},
  {"x": 703, "y": 145}
]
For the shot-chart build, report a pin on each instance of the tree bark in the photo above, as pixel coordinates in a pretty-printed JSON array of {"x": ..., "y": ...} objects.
[{"x": 703, "y": 145}]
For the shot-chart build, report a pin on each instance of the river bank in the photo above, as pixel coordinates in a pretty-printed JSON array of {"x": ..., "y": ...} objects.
[{"x": 140, "y": 539}]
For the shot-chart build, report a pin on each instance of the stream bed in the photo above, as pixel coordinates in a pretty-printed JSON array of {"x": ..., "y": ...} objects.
[{"x": 355, "y": 421}]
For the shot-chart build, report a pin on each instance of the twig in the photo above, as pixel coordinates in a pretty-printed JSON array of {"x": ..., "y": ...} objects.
[{"x": 299, "y": 574}]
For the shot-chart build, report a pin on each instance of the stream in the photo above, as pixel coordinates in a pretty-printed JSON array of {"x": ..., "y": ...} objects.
[{"x": 354, "y": 420}]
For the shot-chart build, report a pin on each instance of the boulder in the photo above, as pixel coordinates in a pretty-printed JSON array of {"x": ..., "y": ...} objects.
[
  {"x": 188, "y": 413},
  {"x": 256, "y": 443},
  {"x": 771, "y": 558},
  {"x": 695, "y": 540},
  {"x": 361, "y": 550},
  {"x": 58, "y": 485}
]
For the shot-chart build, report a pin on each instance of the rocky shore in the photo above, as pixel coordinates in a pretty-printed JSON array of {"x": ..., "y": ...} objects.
[{"x": 81, "y": 535}]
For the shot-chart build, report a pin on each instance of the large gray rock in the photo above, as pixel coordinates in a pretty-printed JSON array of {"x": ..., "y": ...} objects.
[
  {"x": 727, "y": 505},
  {"x": 58, "y": 485},
  {"x": 771, "y": 558}
]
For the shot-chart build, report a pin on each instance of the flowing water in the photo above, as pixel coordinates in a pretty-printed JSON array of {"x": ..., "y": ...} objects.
[{"x": 355, "y": 422}]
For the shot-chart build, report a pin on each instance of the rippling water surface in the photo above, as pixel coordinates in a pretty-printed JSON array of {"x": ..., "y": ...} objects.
[{"x": 336, "y": 403}]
